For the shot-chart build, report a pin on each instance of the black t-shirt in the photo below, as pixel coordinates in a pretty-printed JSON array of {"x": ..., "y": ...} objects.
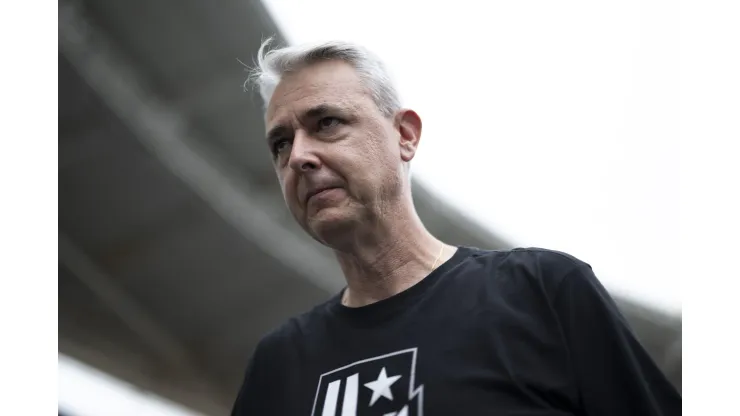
[{"x": 517, "y": 332}]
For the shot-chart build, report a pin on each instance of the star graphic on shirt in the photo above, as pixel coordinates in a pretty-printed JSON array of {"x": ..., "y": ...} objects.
[{"x": 381, "y": 386}]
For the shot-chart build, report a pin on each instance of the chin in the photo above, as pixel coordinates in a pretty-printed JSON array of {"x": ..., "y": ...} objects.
[{"x": 330, "y": 225}]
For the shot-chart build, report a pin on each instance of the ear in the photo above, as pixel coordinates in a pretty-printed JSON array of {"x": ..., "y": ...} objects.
[{"x": 408, "y": 124}]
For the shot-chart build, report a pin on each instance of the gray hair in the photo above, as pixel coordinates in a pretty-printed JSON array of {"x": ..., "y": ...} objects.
[{"x": 273, "y": 64}]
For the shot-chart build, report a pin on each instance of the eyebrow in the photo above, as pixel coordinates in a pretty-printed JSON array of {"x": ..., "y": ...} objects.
[
  {"x": 312, "y": 113},
  {"x": 319, "y": 110},
  {"x": 276, "y": 132}
]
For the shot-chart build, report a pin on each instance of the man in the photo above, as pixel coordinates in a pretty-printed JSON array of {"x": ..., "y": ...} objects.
[{"x": 422, "y": 327}]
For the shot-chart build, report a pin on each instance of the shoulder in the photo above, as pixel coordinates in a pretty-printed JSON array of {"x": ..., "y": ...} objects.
[
  {"x": 272, "y": 365},
  {"x": 283, "y": 338},
  {"x": 569, "y": 281},
  {"x": 535, "y": 259},
  {"x": 545, "y": 268},
  {"x": 549, "y": 261}
]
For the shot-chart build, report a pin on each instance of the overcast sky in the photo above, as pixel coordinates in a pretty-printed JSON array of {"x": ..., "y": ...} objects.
[
  {"x": 85, "y": 391},
  {"x": 553, "y": 124}
]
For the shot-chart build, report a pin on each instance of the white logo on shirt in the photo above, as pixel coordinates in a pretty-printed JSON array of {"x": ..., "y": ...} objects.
[{"x": 382, "y": 385}]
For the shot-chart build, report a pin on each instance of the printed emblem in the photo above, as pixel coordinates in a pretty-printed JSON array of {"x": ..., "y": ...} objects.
[{"x": 377, "y": 386}]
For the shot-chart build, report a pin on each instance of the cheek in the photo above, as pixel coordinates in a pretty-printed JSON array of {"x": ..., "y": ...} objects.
[
  {"x": 287, "y": 186},
  {"x": 371, "y": 164},
  {"x": 381, "y": 154},
  {"x": 375, "y": 146}
]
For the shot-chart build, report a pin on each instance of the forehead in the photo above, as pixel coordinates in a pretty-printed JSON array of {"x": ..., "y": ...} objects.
[{"x": 332, "y": 82}]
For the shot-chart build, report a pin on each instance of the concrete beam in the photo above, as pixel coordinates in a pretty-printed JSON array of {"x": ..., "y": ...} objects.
[
  {"x": 127, "y": 309},
  {"x": 164, "y": 132}
]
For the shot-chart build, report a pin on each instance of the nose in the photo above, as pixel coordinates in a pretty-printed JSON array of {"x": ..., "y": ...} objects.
[{"x": 303, "y": 157}]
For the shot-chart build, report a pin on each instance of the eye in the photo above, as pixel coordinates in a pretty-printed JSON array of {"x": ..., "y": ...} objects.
[
  {"x": 279, "y": 146},
  {"x": 328, "y": 122}
]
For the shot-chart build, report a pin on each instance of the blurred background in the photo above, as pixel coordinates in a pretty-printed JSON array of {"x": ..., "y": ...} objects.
[{"x": 546, "y": 125}]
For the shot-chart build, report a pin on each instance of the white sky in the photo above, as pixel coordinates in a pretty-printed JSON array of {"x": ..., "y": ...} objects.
[
  {"x": 85, "y": 391},
  {"x": 554, "y": 124}
]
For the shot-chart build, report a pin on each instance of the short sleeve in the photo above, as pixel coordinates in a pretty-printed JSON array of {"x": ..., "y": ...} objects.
[{"x": 615, "y": 374}]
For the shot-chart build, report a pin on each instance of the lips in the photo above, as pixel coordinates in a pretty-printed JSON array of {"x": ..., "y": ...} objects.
[{"x": 317, "y": 191}]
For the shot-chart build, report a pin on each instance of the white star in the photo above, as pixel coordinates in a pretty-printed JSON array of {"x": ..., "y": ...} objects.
[{"x": 381, "y": 386}]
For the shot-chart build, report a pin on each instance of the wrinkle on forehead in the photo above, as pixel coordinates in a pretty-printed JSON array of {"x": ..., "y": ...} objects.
[{"x": 325, "y": 83}]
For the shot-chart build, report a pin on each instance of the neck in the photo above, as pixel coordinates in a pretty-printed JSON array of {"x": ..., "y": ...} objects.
[{"x": 395, "y": 254}]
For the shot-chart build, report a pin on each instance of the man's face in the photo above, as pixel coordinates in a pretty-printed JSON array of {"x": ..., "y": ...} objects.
[{"x": 337, "y": 157}]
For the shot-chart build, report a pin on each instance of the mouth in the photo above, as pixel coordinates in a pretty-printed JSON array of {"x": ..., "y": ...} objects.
[{"x": 318, "y": 192}]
